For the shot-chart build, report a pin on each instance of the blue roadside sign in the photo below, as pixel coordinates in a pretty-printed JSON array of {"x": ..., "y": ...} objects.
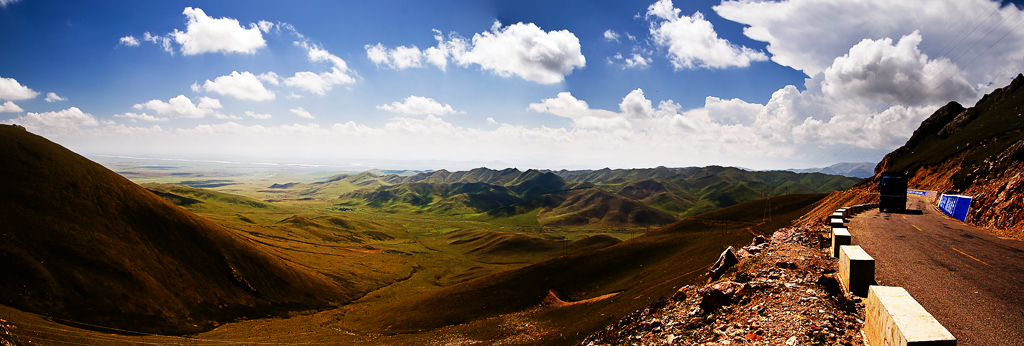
[{"x": 955, "y": 206}]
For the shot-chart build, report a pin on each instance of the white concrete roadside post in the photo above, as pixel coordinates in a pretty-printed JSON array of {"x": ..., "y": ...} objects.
[
  {"x": 856, "y": 269},
  {"x": 894, "y": 318}
]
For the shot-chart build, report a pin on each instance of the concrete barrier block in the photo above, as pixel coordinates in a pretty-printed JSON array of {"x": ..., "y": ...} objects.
[
  {"x": 836, "y": 222},
  {"x": 856, "y": 269},
  {"x": 839, "y": 214},
  {"x": 840, "y": 236},
  {"x": 845, "y": 211},
  {"x": 893, "y": 317}
]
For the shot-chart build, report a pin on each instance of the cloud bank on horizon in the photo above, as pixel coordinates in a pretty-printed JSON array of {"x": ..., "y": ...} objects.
[{"x": 758, "y": 84}]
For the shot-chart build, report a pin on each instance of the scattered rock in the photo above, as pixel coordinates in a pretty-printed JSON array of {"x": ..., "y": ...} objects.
[
  {"x": 725, "y": 261},
  {"x": 786, "y": 265},
  {"x": 784, "y": 235},
  {"x": 758, "y": 240},
  {"x": 715, "y": 296},
  {"x": 830, "y": 284},
  {"x": 681, "y": 294},
  {"x": 775, "y": 305},
  {"x": 754, "y": 248}
]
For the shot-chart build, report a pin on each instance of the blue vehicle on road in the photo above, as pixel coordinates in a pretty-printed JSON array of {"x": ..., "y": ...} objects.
[{"x": 892, "y": 192}]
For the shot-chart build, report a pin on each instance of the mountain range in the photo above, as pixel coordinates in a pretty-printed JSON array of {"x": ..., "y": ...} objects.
[
  {"x": 849, "y": 169},
  {"x": 620, "y": 197}
]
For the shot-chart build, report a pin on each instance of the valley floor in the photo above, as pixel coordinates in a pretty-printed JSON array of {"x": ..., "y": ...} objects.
[{"x": 420, "y": 276}]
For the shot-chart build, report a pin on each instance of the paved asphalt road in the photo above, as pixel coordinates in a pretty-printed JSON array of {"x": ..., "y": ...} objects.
[{"x": 971, "y": 280}]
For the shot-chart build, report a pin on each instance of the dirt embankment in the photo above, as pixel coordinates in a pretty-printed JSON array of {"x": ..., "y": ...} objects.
[{"x": 860, "y": 194}]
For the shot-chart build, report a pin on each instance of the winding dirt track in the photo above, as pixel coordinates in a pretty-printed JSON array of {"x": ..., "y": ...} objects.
[{"x": 971, "y": 280}]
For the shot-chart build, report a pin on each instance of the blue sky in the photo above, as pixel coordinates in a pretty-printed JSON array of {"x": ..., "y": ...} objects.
[{"x": 530, "y": 84}]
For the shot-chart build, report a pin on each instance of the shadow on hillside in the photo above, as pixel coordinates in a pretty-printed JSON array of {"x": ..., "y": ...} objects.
[{"x": 905, "y": 212}]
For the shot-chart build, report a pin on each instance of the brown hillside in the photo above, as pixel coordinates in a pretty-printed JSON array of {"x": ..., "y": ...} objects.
[
  {"x": 502, "y": 247},
  {"x": 860, "y": 194},
  {"x": 81, "y": 243},
  {"x": 613, "y": 280},
  {"x": 594, "y": 206}
]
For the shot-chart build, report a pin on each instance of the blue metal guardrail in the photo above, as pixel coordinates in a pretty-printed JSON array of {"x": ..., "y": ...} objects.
[
  {"x": 955, "y": 205},
  {"x": 929, "y": 194}
]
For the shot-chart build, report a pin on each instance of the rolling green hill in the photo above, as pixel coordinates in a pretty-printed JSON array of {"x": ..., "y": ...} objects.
[
  {"x": 80, "y": 242},
  {"x": 606, "y": 197},
  {"x": 594, "y": 206}
]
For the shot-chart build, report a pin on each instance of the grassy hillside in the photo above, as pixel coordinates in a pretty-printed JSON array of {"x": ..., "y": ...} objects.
[
  {"x": 601, "y": 198},
  {"x": 82, "y": 243},
  {"x": 621, "y": 278},
  {"x": 594, "y": 206},
  {"x": 503, "y": 247}
]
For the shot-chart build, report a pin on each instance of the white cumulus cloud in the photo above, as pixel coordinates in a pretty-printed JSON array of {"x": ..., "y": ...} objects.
[
  {"x": 58, "y": 122},
  {"x": 204, "y": 34},
  {"x": 692, "y": 42},
  {"x": 10, "y": 89},
  {"x": 429, "y": 126},
  {"x": 522, "y": 50},
  {"x": 418, "y": 105},
  {"x": 883, "y": 72},
  {"x": 808, "y": 35},
  {"x": 302, "y": 113},
  {"x": 265, "y": 26},
  {"x": 610, "y": 35},
  {"x": 637, "y": 61},
  {"x": 209, "y": 103},
  {"x": 140, "y": 116},
  {"x": 52, "y": 97},
  {"x": 164, "y": 41},
  {"x": 242, "y": 86},
  {"x": 226, "y": 116},
  {"x": 129, "y": 41},
  {"x": 399, "y": 58},
  {"x": 258, "y": 115},
  {"x": 322, "y": 82},
  {"x": 181, "y": 107},
  {"x": 270, "y": 77},
  {"x": 790, "y": 126},
  {"x": 567, "y": 106},
  {"x": 404, "y": 57},
  {"x": 10, "y": 107}
]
